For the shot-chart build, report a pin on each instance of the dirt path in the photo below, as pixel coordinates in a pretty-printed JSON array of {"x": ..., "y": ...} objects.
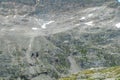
[{"x": 28, "y": 57}]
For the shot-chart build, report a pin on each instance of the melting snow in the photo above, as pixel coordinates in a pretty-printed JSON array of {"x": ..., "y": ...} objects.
[
  {"x": 44, "y": 25},
  {"x": 118, "y": 25},
  {"x": 89, "y": 23}
]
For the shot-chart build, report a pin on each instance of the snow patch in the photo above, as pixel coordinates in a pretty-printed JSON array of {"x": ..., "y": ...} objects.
[
  {"x": 34, "y": 28},
  {"x": 6, "y": 16},
  {"x": 45, "y": 24},
  {"x": 82, "y": 18},
  {"x": 90, "y": 15},
  {"x": 14, "y": 16},
  {"x": 117, "y": 25},
  {"x": 89, "y": 23},
  {"x": 12, "y": 29},
  {"x": 77, "y": 24},
  {"x": 50, "y": 22}
]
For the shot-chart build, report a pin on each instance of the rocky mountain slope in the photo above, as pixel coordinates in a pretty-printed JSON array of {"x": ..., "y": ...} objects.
[{"x": 42, "y": 41}]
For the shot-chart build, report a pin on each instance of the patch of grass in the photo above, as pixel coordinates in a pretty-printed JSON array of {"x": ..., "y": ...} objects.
[
  {"x": 88, "y": 72},
  {"x": 72, "y": 77},
  {"x": 112, "y": 72}
]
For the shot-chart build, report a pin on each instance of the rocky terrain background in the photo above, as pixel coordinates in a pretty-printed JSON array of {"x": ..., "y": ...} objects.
[{"x": 50, "y": 39}]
